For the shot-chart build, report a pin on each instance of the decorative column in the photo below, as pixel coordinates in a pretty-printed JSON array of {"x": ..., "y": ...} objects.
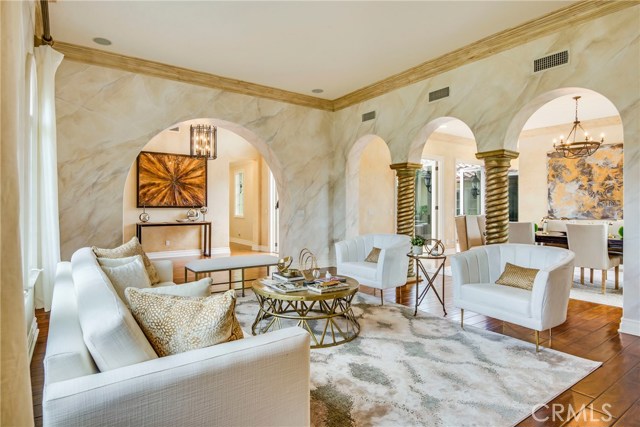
[
  {"x": 497, "y": 164},
  {"x": 405, "y": 213}
]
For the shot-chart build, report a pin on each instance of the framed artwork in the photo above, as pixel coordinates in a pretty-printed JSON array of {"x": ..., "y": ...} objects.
[{"x": 171, "y": 180}]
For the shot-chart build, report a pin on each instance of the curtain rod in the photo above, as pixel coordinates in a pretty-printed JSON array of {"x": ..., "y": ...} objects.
[{"x": 46, "y": 36}]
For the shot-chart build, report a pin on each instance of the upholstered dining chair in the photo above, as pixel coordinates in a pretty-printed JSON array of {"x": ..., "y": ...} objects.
[
  {"x": 522, "y": 232},
  {"x": 471, "y": 231},
  {"x": 589, "y": 243}
]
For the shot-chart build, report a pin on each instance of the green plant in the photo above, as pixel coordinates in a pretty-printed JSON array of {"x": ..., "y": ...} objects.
[
  {"x": 535, "y": 228},
  {"x": 621, "y": 231},
  {"x": 417, "y": 241}
]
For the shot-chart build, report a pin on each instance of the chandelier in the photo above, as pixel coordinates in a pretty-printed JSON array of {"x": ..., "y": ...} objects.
[
  {"x": 204, "y": 141},
  {"x": 572, "y": 149}
]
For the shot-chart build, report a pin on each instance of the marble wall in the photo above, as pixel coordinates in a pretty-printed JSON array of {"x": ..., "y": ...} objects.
[{"x": 106, "y": 116}]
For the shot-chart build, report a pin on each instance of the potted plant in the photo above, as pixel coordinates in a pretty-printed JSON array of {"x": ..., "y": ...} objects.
[
  {"x": 417, "y": 242},
  {"x": 621, "y": 232}
]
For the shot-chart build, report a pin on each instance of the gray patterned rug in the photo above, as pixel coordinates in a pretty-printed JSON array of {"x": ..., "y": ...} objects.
[{"x": 404, "y": 370}]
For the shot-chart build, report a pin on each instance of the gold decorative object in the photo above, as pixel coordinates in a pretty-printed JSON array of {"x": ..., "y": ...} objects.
[
  {"x": 308, "y": 264},
  {"x": 497, "y": 194},
  {"x": 573, "y": 149},
  {"x": 284, "y": 264},
  {"x": 406, "y": 173},
  {"x": 434, "y": 247}
]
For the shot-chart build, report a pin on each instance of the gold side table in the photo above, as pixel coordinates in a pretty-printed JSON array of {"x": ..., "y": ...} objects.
[
  {"x": 430, "y": 279},
  {"x": 328, "y": 317}
]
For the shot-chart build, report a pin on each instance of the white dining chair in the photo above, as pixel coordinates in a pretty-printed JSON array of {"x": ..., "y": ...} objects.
[
  {"x": 522, "y": 232},
  {"x": 589, "y": 243}
]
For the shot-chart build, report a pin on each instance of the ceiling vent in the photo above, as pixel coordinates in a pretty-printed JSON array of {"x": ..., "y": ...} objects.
[
  {"x": 550, "y": 61},
  {"x": 175, "y": 129},
  {"x": 368, "y": 116},
  {"x": 439, "y": 94}
]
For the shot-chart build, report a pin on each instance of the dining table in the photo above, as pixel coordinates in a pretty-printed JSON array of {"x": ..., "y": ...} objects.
[{"x": 559, "y": 238}]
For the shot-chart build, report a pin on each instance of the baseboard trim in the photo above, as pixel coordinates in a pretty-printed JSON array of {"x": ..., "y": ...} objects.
[
  {"x": 243, "y": 242},
  {"x": 32, "y": 337},
  {"x": 630, "y": 326},
  {"x": 224, "y": 250},
  {"x": 260, "y": 248}
]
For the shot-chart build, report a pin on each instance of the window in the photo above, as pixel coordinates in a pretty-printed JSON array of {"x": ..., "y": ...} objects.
[{"x": 239, "y": 194}]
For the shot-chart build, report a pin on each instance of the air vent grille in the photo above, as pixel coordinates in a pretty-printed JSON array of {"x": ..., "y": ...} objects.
[
  {"x": 551, "y": 61},
  {"x": 175, "y": 129},
  {"x": 439, "y": 94},
  {"x": 368, "y": 116}
]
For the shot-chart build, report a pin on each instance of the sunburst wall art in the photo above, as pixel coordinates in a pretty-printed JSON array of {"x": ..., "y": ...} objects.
[
  {"x": 171, "y": 180},
  {"x": 586, "y": 188}
]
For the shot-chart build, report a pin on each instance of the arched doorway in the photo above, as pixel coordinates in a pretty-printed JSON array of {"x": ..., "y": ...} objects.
[
  {"x": 451, "y": 180},
  {"x": 554, "y": 190},
  {"x": 370, "y": 192},
  {"x": 241, "y": 194}
]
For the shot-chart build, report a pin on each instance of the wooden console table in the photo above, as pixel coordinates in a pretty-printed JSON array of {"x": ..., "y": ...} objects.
[{"x": 206, "y": 225}]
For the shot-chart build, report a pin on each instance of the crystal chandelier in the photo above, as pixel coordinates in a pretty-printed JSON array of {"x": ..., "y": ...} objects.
[
  {"x": 572, "y": 149},
  {"x": 204, "y": 141}
]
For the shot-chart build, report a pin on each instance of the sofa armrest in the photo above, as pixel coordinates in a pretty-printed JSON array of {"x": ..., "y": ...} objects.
[
  {"x": 262, "y": 380},
  {"x": 342, "y": 252},
  {"x": 550, "y": 293},
  {"x": 393, "y": 264},
  {"x": 165, "y": 269}
]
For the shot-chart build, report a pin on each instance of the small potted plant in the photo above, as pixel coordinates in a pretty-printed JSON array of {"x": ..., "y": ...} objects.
[{"x": 417, "y": 242}]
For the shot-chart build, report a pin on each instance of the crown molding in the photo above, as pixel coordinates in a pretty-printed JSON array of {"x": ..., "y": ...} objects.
[
  {"x": 572, "y": 15},
  {"x": 102, "y": 58}
]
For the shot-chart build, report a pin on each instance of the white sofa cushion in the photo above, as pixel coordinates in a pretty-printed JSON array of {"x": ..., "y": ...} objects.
[
  {"x": 363, "y": 269},
  {"x": 110, "y": 332},
  {"x": 125, "y": 273},
  {"x": 509, "y": 299},
  {"x": 199, "y": 288}
]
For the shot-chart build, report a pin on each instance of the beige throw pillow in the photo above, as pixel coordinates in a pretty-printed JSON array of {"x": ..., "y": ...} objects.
[
  {"x": 517, "y": 277},
  {"x": 174, "y": 324},
  {"x": 373, "y": 255},
  {"x": 200, "y": 288},
  {"x": 129, "y": 274},
  {"x": 131, "y": 248}
]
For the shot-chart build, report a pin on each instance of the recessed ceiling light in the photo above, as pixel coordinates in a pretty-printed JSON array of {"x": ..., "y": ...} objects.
[
  {"x": 102, "y": 41},
  {"x": 317, "y": 90}
]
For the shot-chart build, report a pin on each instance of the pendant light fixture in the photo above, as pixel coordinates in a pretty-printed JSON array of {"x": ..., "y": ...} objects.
[
  {"x": 204, "y": 141},
  {"x": 572, "y": 149}
]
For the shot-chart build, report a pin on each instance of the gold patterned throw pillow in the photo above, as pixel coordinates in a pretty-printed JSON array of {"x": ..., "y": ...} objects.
[
  {"x": 175, "y": 324},
  {"x": 517, "y": 277},
  {"x": 131, "y": 248},
  {"x": 373, "y": 255}
]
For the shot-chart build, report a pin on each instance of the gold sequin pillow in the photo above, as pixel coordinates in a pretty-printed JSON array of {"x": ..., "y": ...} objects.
[
  {"x": 517, "y": 277},
  {"x": 175, "y": 324},
  {"x": 373, "y": 255},
  {"x": 131, "y": 248}
]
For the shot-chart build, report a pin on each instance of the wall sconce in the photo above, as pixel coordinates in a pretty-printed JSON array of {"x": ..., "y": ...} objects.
[
  {"x": 475, "y": 186},
  {"x": 426, "y": 176}
]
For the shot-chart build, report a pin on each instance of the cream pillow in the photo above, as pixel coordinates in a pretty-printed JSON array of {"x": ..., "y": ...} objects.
[
  {"x": 373, "y": 255},
  {"x": 200, "y": 288},
  {"x": 174, "y": 324},
  {"x": 517, "y": 277},
  {"x": 131, "y": 274},
  {"x": 131, "y": 248}
]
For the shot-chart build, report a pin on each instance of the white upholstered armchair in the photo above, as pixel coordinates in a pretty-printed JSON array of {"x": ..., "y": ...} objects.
[
  {"x": 543, "y": 307},
  {"x": 391, "y": 269}
]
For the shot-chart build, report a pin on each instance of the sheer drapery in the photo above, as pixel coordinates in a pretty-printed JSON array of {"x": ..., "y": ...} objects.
[{"x": 43, "y": 246}]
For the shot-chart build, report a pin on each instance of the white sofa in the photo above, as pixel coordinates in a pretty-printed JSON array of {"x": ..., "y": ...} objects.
[
  {"x": 227, "y": 384},
  {"x": 544, "y": 307},
  {"x": 391, "y": 269}
]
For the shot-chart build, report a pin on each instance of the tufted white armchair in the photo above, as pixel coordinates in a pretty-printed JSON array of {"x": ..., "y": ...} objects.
[
  {"x": 543, "y": 307},
  {"x": 391, "y": 269}
]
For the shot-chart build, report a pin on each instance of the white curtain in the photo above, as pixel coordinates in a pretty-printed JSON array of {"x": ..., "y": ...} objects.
[{"x": 43, "y": 236}]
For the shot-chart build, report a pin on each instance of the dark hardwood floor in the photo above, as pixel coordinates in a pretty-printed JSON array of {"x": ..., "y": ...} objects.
[{"x": 609, "y": 396}]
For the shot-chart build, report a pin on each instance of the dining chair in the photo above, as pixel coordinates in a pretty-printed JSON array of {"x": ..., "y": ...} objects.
[
  {"x": 470, "y": 230},
  {"x": 589, "y": 243},
  {"x": 522, "y": 232}
]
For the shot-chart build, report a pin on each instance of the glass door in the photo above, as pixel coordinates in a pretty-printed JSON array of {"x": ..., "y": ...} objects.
[
  {"x": 426, "y": 209},
  {"x": 469, "y": 189}
]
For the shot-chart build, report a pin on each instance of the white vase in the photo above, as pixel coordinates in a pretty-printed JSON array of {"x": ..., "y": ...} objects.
[{"x": 417, "y": 250}]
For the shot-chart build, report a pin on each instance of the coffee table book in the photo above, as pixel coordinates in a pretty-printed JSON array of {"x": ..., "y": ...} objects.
[
  {"x": 283, "y": 286},
  {"x": 282, "y": 278}
]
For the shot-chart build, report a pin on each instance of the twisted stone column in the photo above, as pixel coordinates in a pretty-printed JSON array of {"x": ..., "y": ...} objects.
[
  {"x": 496, "y": 198},
  {"x": 405, "y": 213}
]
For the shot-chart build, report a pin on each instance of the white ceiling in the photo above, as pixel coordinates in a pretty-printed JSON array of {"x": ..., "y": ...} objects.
[{"x": 294, "y": 45}]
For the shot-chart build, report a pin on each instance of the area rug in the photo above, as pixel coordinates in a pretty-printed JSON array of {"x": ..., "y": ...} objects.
[
  {"x": 404, "y": 370},
  {"x": 592, "y": 292}
]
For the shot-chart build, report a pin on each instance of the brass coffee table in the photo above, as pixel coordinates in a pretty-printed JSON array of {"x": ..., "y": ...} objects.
[{"x": 327, "y": 317}]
